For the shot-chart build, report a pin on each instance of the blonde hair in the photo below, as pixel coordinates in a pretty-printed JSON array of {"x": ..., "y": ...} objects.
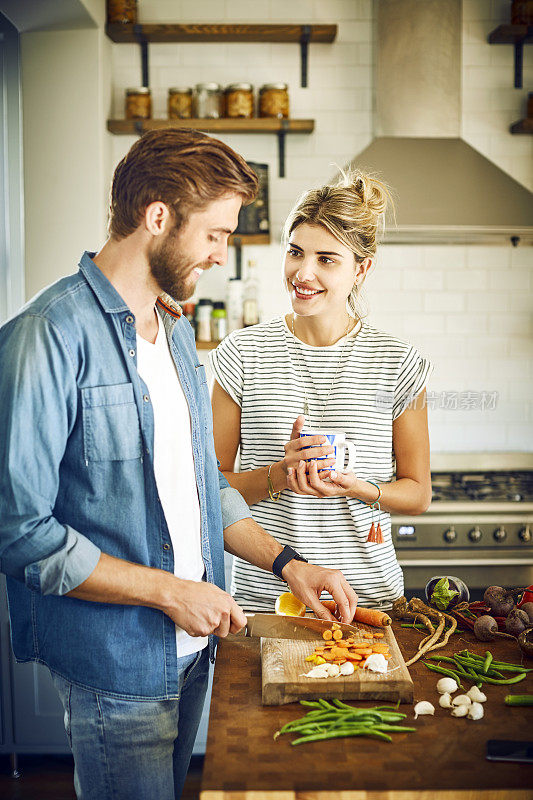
[{"x": 353, "y": 210}]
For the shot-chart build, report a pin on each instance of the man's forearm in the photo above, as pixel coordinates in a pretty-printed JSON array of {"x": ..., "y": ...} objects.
[
  {"x": 249, "y": 541},
  {"x": 115, "y": 580}
]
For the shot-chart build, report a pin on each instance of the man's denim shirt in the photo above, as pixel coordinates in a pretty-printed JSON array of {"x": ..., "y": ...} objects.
[{"x": 77, "y": 479}]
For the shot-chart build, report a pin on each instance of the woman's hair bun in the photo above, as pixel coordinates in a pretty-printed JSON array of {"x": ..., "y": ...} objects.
[{"x": 372, "y": 193}]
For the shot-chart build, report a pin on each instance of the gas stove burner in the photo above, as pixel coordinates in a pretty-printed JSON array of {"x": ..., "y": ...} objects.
[{"x": 483, "y": 487}]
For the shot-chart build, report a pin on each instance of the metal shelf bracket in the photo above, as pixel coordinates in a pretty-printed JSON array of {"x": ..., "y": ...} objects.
[
  {"x": 141, "y": 38},
  {"x": 518, "y": 61},
  {"x": 304, "y": 49},
  {"x": 281, "y": 146}
]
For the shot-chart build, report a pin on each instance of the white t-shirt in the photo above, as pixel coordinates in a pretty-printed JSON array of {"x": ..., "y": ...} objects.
[
  {"x": 367, "y": 379},
  {"x": 174, "y": 466}
]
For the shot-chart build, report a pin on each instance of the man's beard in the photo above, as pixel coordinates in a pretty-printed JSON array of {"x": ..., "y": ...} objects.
[{"x": 171, "y": 270}]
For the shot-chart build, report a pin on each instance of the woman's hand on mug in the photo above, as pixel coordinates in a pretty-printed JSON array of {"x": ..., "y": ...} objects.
[
  {"x": 302, "y": 449},
  {"x": 340, "y": 484}
]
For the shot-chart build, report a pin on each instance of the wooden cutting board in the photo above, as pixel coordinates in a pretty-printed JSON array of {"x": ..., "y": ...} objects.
[{"x": 283, "y": 662}]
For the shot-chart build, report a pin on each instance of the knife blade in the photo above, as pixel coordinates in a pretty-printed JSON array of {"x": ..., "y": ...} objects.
[{"x": 275, "y": 626}]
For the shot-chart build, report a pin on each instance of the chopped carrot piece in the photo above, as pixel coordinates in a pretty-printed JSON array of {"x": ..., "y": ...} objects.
[
  {"x": 380, "y": 648},
  {"x": 353, "y": 657},
  {"x": 327, "y": 635},
  {"x": 337, "y": 634},
  {"x": 368, "y": 635},
  {"x": 335, "y": 626},
  {"x": 339, "y": 661},
  {"x": 343, "y": 643},
  {"x": 379, "y": 635},
  {"x": 327, "y": 656}
]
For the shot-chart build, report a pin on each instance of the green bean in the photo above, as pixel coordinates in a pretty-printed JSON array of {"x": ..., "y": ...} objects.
[
  {"x": 516, "y": 679},
  {"x": 341, "y": 733},
  {"x": 487, "y": 662}
]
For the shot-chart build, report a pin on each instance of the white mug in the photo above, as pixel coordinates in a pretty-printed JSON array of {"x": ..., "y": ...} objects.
[{"x": 341, "y": 444}]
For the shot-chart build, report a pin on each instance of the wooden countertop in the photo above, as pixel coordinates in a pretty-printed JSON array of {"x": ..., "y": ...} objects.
[{"x": 444, "y": 758}]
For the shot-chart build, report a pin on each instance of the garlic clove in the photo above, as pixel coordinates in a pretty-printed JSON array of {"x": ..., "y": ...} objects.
[
  {"x": 334, "y": 670},
  {"x": 460, "y": 711},
  {"x": 445, "y": 700},
  {"x": 461, "y": 700},
  {"x": 317, "y": 672},
  {"x": 476, "y": 695},
  {"x": 422, "y": 708},
  {"x": 376, "y": 663},
  {"x": 447, "y": 686},
  {"x": 475, "y": 711},
  {"x": 347, "y": 668}
]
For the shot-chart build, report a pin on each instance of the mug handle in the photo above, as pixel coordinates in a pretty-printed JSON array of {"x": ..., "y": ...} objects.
[{"x": 351, "y": 456}]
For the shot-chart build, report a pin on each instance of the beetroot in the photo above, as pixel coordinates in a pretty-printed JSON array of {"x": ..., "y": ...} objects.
[
  {"x": 516, "y": 622},
  {"x": 499, "y": 600},
  {"x": 525, "y": 640},
  {"x": 528, "y": 608},
  {"x": 486, "y": 629}
]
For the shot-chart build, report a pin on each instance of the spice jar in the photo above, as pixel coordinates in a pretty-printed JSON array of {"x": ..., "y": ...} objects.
[
  {"x": 240, "y": 100},
  {"x": 179, "y": 103},
  {"x": 219, "y": 322},
  {"x": 208, "y": 101},
  {"x": 124, "y": 11},
  {"x": 204, "y": 307},
  {"x": 274, "y": 100},
  {"x": 138, "y": 103}
]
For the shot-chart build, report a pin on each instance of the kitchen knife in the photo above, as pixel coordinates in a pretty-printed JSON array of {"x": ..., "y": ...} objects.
[{"x": 275, "y": 626}]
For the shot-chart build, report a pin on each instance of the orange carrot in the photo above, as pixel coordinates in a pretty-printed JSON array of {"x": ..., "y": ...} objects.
[
  {"x": 370, "y": 616},
  {"x": 379, "y": 635},
  {"x": 368, "y": 635},
  {"x": 337, "y": 635},
  {"x": 327, "y": 635}
]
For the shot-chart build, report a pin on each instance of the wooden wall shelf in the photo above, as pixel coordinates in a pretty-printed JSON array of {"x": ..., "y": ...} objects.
[
  {"x": 219, "y": 33},
  {"x": 206, "y": 345},
  {"x": 281, "y": 127},
  {"x": 241, "y": 239},
  {"x": 224, "y": 125},
  {"x": 517, "y": 35}
]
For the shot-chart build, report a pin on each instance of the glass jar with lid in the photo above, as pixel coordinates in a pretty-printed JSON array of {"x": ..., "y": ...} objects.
[
  {"x": 180, "y": 102},
  {"x": 138, "y": 103},
  {"x": 124, "y": 11},
  {"x": 274, "y": 100},
  {"x": 208, "y": 101},
  {"x": 240, "y": 100}
]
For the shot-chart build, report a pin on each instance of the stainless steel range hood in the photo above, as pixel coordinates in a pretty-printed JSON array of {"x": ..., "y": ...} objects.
[{"x": 446, "y": 191}]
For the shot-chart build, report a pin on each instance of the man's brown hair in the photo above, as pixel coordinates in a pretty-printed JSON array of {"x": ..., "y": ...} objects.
[{"x": 184, "y": 169}]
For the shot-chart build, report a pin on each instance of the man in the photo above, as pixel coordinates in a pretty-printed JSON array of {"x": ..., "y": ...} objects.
[{"x": 113, "y": 513}]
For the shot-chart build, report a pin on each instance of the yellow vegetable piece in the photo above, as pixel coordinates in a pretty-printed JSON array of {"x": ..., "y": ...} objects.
[
  {"x": 320, "y": 660},
  {"x": 310, "y": 658},
  {"x": 287, "y": 605}
]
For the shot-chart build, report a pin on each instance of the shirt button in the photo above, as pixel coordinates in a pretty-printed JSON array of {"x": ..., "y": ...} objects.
[
  {"x": 132, "y": 353},
  {"x": 146, "y": 398},
  {"x": 166, "y": 546},
  {"x": 129, "y": 319}
]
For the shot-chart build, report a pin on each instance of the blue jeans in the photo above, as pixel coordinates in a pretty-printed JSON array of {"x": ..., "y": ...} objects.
[{"x": 126, "y": 749}]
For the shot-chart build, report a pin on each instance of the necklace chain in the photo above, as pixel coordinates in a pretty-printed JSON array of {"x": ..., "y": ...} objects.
[{"x": 349, "y": 328}]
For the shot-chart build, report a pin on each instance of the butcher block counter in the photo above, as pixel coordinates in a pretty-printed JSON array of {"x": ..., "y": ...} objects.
[{"x": 444, "y": 759}]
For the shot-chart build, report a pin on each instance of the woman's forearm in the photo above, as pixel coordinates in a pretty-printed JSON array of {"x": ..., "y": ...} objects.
[
  {"x": 253, "y": 484},
  {"x": 403, "y": 496}
]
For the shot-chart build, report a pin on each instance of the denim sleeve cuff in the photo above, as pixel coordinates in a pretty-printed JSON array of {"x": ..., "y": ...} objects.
[
  {"x": 66, "y": 568},
  {"x": 234, "y": 508}
]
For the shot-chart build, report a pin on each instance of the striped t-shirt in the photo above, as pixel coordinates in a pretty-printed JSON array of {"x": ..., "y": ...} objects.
[{"x": 265, "y": 370}]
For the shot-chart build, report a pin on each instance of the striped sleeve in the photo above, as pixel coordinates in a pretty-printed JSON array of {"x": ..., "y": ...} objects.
[
  {"x": 227, "y": 366},
  {"x": 412, "y": 378}
]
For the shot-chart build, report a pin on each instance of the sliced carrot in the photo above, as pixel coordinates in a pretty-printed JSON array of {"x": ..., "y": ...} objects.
[
  {"x": 368, "y": 635},
  {"x": 343, "y": 643},
  {"x": 327, "y": 657},
  {"x": 337, "y": 635},
  {"x": 336, "y": 627},
  {"x": 379, "y": 635},
  {"x": 327, "y": 635},
  {"x": 380, "y": 648},
  {"x": 353, "y": 657}
]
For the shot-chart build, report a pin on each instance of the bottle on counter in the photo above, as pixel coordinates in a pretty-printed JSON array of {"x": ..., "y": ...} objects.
[
  {"x": 204, "y": 309},
  {"x": 219, "y": 326},
  {"x": 250, "y": 306},
  {"x": 234, "y": 303}
]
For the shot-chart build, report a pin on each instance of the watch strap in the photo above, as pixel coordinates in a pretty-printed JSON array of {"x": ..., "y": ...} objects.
[{"x": 286, "y": 555}]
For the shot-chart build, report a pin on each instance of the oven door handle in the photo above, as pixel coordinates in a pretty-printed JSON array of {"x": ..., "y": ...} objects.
[{"x": 466, "y": 562}]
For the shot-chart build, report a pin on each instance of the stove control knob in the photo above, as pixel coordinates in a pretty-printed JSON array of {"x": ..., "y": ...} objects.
[
  {"x": 500, "y": 534},
  {"x": 450, "y": 535},
  {"x": 475, "y": 534},
  {"x": 525, "y": 534}
]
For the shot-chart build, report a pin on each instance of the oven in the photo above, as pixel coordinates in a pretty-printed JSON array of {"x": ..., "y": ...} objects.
[{"x": 479, "y": 526}]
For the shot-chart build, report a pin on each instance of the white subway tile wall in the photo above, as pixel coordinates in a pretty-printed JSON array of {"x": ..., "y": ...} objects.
[{"x": 468, "y": 308}]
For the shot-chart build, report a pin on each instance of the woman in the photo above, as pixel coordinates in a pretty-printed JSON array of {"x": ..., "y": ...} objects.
[{"x": 324, "y": 367}]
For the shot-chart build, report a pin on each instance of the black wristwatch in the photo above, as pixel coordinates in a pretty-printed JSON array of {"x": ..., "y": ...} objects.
[{"x": 286, "y": 555}]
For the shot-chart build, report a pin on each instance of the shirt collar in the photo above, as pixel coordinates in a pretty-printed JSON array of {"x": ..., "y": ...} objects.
[{"x": 108, "y": 296}]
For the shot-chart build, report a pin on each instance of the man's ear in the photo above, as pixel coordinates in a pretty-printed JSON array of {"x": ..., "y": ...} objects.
[{"x": 156, "y": 216}]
